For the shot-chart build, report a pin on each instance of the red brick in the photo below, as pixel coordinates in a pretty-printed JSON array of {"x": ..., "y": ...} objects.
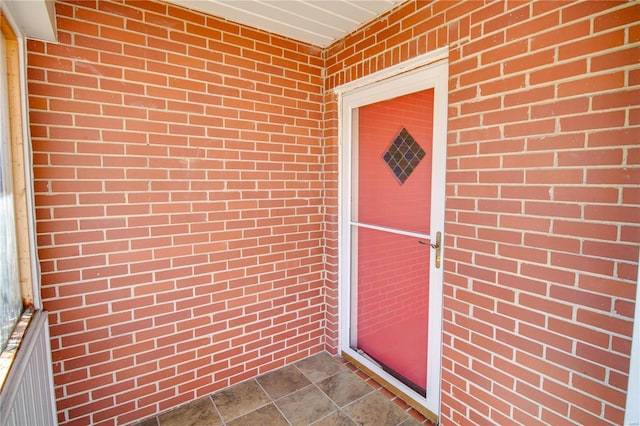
[
  {"x": 536, "y": 94},
  {"x": 605, "y": 322},
  {"x": 611, "y": 250},
  {"x": 583, "y": 263},
  {"x": 480, "y": 74},
  {"x": 613, "y": 137},
  {"x": 537, "y": 394},
  {"x": 482, "y": 44},
  {"x": 561, "y": 34},
  {"x": 532, "y": 26},
  {"x": 528, "y": 62},
  {"x": 617, "y": 18},
  {"x": 565, "y": 210},
  {"x": 564, "y": 393},
  {"x": 616, "y": 100},
  {"x": 544, "y": 272},
  {"x": 524, "y": 284},
  {"x": 528, "y": 160},
  {"x": 505, "y": 51},
  {"x": 618, "y": 59},
  {"x": 554, "y": 176},
  {"x": 611, "y": 213},
  {"x": 483, "y": 13},
  {"x": 505, "y": 116},
  {"x": 553, "y": 243},
  {"x": 582, "y": 298},
  {"x": 546, "y": 305},
  {"x": 528, "y": 223},
  {"x": 590, "y": 157},
  {"x": 621, "y": 344},
  {"x": 515, "y": 340},
  {"x": 543, "y": 367},
  {"x": 614, "y": 287},
  {"x": 558, "y": 72},
  {"x": 624, "y": 176},
  {"x": 556, "y": 142},
  {"x": 476, "y": 106},
  {"x": 589, "y": 230},
  {"x": 515, "y": 399},
  {"x": 592, "y": 84},
  {"x": 592, "y": 45},
  {"x": 507, "y": 20},
  {"x": 611, "y": 119}
]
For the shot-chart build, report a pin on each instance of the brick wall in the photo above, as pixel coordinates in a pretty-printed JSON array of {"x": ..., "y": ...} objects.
[
  {"x": 178, "y": 189},
  {"x": 542, "y": 209},
  {"x": 186, "y": 194}
]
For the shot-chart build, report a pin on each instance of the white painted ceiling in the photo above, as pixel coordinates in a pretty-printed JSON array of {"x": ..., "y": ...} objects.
[
  {"x": 32, "y": 18},
  {"x": 317, "y": 22}
]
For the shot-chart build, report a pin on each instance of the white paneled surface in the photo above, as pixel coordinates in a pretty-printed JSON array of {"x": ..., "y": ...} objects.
[
  {"x": 34, "y": 18},
  {"x": 317, "y": 22},
  {"x": 27, "y": 397}
]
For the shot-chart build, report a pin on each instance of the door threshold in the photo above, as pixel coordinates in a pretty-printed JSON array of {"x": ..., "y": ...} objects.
[
  {"x": 399, "y": 377},
  {"x": 412, "y": 402}
]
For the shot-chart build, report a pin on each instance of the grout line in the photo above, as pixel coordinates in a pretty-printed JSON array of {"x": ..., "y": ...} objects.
[
  {"x": 273, "y": 401},
  {"x": 210, "y": 396},
  {"x": 224, "y": 422},
  {"x": 345, "y": 366},
  {"x": 335, "y": 404},
  {"x": 381, "y": 389}
]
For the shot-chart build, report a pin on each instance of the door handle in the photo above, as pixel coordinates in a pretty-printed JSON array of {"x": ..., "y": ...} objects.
[{"x": 438, "y": 247}]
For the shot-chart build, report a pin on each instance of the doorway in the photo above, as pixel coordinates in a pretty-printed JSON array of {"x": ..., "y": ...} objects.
[{"x": 392, "y": 178}]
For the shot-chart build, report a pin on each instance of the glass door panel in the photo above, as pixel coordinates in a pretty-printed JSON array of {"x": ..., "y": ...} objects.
[
  {"x": 390, "y": 224},
  {"x": 393, "y": 303},
  {"x": 393, "y": 163}
]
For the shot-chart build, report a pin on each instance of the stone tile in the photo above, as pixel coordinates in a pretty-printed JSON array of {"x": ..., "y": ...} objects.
[
  {"x": 320, "y": 366},
  {"x": 375, "y": 410},
  {"x": 411, "y": 422},
  {"x": 305, "y": 406},
  {"x": 336, "y": 419},
  {"x": 283, "y": 381},
  {"x": 197, "y": 413},
  {"x": 240, "y": 399},
  {"x": 267, "y": 415},
  {"x": 153, "y": 421},
  {"x": 297, "y": 401},
  {"x": 344, "y": 388}
]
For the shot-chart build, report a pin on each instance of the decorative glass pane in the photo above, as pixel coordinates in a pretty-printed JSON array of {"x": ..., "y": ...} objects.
[{"x": 403, "y": 155}]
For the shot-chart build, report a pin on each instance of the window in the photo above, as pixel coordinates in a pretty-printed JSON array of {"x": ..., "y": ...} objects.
[
  {"x": 10, "y": 295},
  {"x": 16, "y": 260}
]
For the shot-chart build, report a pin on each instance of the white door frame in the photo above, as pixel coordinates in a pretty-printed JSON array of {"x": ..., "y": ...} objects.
[
  {"x": 632, "y": 412},
  {"x": 426, "y": 71}
]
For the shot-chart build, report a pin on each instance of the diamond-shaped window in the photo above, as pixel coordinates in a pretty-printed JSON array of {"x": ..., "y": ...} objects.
[{"x": 403, "y": 155}]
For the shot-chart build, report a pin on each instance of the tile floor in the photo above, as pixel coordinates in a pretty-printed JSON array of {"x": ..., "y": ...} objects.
[{"x": 320, "y": 390}]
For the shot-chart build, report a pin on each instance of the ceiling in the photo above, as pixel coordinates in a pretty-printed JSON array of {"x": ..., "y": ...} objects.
[
  {"x": 32, "y": 18},
  {"x": 317, "y": 22}
]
